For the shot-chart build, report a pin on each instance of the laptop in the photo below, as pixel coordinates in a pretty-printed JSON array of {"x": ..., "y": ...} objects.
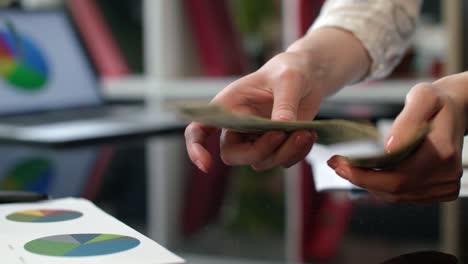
[{"x": 49, "y": 92}]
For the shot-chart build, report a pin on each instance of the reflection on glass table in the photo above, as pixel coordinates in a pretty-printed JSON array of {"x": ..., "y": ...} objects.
[
  {"x": 433, "y": 257},
  {"x": 237, "y": 215},
  {"x": 250, "y": 225},
  {"x": 56, "y": 173}
]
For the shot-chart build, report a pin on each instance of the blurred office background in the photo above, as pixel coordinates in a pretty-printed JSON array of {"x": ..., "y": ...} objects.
[{"x": 162, "y": 52}]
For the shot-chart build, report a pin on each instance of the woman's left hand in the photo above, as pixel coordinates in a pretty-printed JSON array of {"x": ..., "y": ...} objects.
[{"x": 434, "y": 171}]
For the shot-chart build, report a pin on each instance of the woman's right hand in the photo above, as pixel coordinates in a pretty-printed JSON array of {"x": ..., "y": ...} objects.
[
  {"x": 289, "y": 87},
  {"x": 281, "y": 90}
]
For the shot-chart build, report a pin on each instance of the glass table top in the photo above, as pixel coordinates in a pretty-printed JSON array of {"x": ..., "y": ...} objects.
[{"x": 238, "y": 215}]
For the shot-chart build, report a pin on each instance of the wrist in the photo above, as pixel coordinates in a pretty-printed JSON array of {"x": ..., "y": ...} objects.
[{"x": 339, "y": 65}]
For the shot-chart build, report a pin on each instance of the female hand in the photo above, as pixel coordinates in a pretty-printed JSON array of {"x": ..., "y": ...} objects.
[
  {"x": 289, "y": 87},
  {"x": 433, "y": 172},
  {"x": 280, "y": 90}
]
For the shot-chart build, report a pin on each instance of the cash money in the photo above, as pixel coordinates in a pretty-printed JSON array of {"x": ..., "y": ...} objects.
[
  {"x": 328, "y": 131},
  {"x": 391, "y": 160}
]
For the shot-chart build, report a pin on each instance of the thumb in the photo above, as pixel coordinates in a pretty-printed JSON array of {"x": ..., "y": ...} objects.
[
  {"x": 422, "y": 104},
  {"x": 286, "y": 98}
]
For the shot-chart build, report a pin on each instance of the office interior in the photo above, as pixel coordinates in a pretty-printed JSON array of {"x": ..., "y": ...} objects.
[{"x": 168, "y": 52}]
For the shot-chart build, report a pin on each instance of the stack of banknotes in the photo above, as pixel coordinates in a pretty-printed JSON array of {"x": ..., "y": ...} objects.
[{"x": 328, "y": 131}]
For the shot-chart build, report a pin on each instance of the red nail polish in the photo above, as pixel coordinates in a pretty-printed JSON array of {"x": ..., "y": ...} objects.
[
  {"x": 299, "y": 140},
  {"x": 278, "y": 137},
  {"x": 332, "y": 163},
  {"x": 304, "y": 138},
  {"x": 314, "y": 134},
  {"x": 388, "y": 144},
  {"x": 200, "y": 166}
]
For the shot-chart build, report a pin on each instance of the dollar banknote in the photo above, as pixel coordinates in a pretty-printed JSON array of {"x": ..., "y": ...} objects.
[
  {"x": 328, "y": 131},
  {"x": 391, "y": 160}
]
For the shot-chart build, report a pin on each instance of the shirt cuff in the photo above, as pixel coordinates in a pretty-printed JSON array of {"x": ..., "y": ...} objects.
[{"x": 385, "y": 45}]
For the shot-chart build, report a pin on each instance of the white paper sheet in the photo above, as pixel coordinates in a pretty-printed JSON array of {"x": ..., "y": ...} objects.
[
  {"x": 14, "y": 235},
  {"x": 464, "y": 184},
  {"x": 324, "y": 177}
]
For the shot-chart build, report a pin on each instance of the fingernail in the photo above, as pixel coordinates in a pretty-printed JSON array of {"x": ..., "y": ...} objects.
[
  {"x": 303, "y": 138},
  {"x": 257, "y": 168},
  {"x": 284, "y": 117},
  {"x": 314, "y": 134},
  {"x": 277, "y": 136},
  {"x": 342, "y": 173},
  {"x": 332, "y": 163},
  {"x": 299, "y": 140},
  {"x": 389, "y": 144},
  {"x": 200, "y": 166}
]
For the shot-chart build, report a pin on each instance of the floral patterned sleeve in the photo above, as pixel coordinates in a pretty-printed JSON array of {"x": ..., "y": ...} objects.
[{"x": 384, "y": 27}]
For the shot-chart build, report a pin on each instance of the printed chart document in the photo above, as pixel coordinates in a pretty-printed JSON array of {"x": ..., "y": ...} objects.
[{"x": 72, "y": 231}]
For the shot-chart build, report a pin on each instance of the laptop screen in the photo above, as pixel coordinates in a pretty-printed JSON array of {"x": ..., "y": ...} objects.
[{"x": 42, "y": 64}]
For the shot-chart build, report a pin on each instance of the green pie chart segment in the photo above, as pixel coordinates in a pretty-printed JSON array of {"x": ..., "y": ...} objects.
[
  {"x": 22, "y": 62},
  {"x": 81, "y": 245}
]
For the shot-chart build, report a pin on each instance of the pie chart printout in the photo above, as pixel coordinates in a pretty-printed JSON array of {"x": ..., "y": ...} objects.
[
  {"x": 43, "y": 216},
  {"x": 81, "y": 245},
  {"x": 22, "y": 64}
]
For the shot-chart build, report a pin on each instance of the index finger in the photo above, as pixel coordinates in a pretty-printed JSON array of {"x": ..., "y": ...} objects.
[
  {"x": 196, "y": 135},
  {"x": 422, "y": 104}
]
